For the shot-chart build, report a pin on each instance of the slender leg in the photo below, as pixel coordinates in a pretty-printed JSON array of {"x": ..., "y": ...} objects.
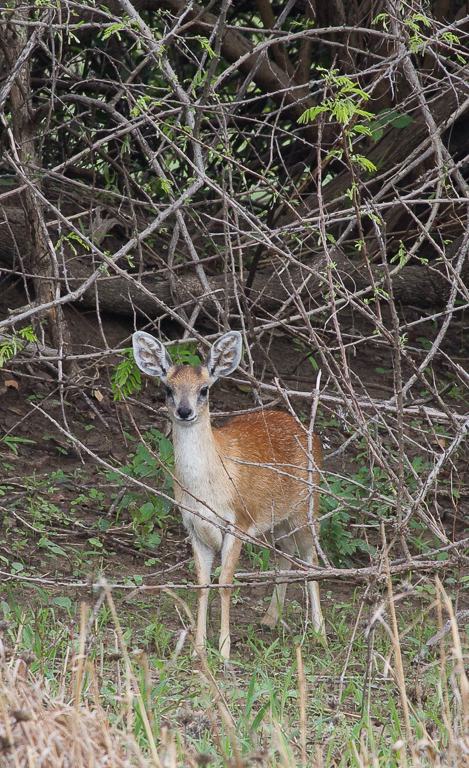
[
  {"x": 287, "y": 544},
  {"x": 229, "y": 559},
  {"x": 309, "y": 555},
  {"x": 203, "y": 560}
]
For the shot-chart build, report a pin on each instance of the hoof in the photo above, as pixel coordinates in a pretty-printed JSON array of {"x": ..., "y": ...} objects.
[
  {"x": 266, "y": 627},
  {"x": 268, "y": 621}
]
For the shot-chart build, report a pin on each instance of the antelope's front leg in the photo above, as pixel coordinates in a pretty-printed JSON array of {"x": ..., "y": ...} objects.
[
  {"x": 203, "y": 561},
  {"x": 229, "y": 560}
]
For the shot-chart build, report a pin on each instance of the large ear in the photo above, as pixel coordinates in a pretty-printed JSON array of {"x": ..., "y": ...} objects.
[
  {"x": 150, "y": 355},
  {"x": 225, "y": 355}
]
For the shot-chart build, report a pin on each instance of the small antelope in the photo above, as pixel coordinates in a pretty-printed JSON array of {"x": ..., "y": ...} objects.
[{"x": 249, "y": 477}]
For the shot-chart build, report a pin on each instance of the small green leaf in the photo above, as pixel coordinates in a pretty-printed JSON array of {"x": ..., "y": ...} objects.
[
  {"x": 95, "y": 542},
  {"x": 63, "y": 602},
  {"x": 402, "y": 122}
]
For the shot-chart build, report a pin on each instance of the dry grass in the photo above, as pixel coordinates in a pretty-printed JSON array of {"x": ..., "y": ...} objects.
[
  {"x": 40, "y": 730},
  {"x": 72, "y": 728}
]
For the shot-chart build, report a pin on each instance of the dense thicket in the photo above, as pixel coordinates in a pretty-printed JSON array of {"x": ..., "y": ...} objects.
[{"x": 298, "y": 167}]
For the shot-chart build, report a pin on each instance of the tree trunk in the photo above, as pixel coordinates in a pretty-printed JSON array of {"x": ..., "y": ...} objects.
[
  {"x": 419, "y": 285},
  {"x": 39, "y": 256}
]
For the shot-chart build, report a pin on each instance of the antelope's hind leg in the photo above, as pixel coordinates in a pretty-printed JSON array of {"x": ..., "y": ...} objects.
[
  {"x": 309, "y": 554},
  {"x": 287, "y": 544}
]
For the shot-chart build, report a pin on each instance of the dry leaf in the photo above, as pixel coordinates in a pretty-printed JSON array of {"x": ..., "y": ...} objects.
[{"x": 11, "y": 383}]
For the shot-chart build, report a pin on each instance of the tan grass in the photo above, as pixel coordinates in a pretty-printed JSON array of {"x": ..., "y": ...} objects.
[
  {"x": 37, "y": 730},
  {"x": 40, "y": 729}
]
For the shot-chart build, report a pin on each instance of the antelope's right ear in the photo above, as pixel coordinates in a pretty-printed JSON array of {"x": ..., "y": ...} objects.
[{"x": 150, "y": 355}]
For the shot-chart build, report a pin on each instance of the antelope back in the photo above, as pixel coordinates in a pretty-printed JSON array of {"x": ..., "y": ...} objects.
[{"x": 266, "y": 456}]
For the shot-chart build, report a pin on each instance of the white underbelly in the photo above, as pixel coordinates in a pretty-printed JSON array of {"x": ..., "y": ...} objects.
[{"x": 203, "y": 523}]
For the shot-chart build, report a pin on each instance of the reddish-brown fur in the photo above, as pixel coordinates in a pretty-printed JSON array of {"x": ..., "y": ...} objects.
[{"x": 266, "y": 438}]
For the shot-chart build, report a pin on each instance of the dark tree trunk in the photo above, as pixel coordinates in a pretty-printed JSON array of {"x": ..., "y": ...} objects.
[{"x": 39, "y": 257}]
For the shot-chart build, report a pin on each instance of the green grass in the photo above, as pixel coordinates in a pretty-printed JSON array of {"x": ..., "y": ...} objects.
[{"x": 350, "y": 703}]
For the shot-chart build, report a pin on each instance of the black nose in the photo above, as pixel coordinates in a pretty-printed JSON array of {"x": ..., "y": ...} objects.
[{"x": 183, "y": 412}]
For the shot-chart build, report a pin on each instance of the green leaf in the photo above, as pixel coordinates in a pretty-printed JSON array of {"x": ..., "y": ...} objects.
[
  {"x": 311, "y": 114},
  {"x": 126, "y": 379},
  {"x": 402, "y": 122},
  {"x": 426, "y": 343},
  {"x": 63, "y": 602},
  {"x": 95, "y": 543}
]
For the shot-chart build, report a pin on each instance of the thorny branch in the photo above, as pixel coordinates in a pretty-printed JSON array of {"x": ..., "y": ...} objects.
[{"x": 177, "y": 187}]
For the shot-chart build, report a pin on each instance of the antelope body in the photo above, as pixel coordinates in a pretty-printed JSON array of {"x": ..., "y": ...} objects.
[{"x": 219, "y": 476}]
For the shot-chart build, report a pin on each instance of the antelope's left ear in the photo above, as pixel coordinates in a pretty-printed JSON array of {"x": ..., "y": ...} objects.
[{"x": 225, "y": 355}]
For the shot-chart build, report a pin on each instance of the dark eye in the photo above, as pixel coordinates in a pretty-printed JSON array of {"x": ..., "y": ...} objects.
[
  {"x": 204, "y": 391},
  {"x": 169, "y": 392}
]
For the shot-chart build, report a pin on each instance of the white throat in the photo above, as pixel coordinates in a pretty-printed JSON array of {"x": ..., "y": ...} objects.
[{"x": 195, "y": 454}]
